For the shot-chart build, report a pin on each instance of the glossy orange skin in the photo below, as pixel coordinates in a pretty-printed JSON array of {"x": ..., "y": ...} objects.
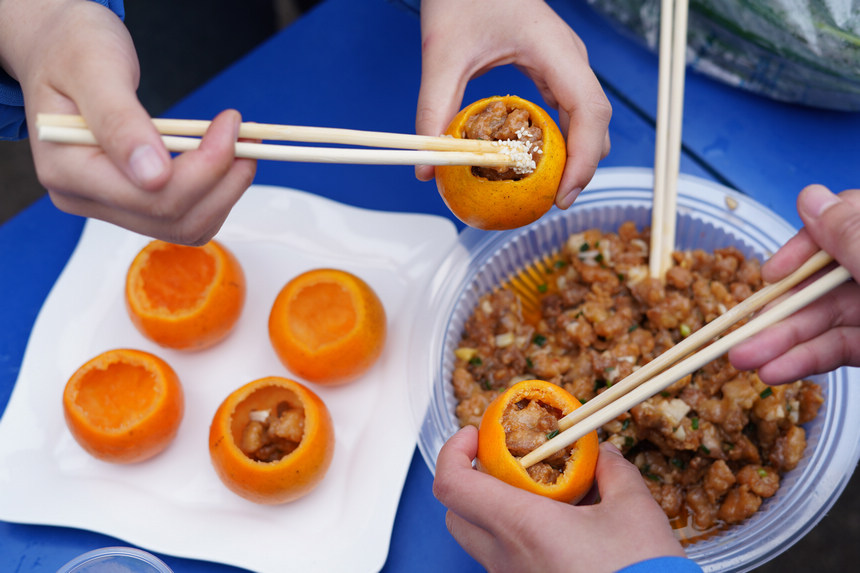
[
  {"x": 185, "y": 298},
  {"x": 293, "y": 476},
  {"x": 327, "y": 326},
  {"x": 124, "y": 406},
  {"x": 502, "y": 205},
  {"x": 495, "y": 459}
]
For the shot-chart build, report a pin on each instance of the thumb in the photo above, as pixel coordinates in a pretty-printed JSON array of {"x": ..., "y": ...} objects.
[
  {"x": 616, "y": 476},
  {"x": 833, "y": 222}
]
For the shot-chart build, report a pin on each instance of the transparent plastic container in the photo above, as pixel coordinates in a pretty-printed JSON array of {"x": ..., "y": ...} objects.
[
  {"x": 710, "y": 216},
  {"x": 115, "y": 560}
]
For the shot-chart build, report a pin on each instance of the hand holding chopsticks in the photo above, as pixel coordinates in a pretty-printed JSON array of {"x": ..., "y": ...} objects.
[
  {"x": 666, "y": 370},
  {"x": 181, "y": 135}
]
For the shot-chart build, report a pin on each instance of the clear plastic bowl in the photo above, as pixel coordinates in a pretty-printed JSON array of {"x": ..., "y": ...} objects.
[
  {"x": 115, "y": 560},
  {"x": 709, "y": 216}
]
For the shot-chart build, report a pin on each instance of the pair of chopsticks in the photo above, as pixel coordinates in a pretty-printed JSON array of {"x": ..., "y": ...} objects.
[
  {"x": 671, "y": 366},
  {"x": 667, "y": 154},
  {"x": 181, "y": 135}
]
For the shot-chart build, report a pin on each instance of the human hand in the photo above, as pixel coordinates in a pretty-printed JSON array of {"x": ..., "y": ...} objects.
[
  {"x": 508, "y": 529},
  {"x": 77, "y": 57},
  {"x": 461, "y": 39},
  {"x": 825, "y": 334}
]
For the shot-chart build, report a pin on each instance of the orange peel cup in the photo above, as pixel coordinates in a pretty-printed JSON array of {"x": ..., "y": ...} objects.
[
  {"x": 495, "y": 459},
  {"x": 185, "y": 298},
  {"x": 506, "y": 204},
  {"x": 327, "y": 326},
  {"x": 282, "y": 480},
  {"x": 124, "y": 406}
]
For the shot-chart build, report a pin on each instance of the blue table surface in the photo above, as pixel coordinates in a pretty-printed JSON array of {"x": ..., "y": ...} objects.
[{"x": 356, "y": 63}]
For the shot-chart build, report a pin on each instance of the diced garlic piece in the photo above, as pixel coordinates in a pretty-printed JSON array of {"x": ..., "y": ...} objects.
[
  {"x": 259, "y": 415},
  {"x": 674, "y": 410},
  {"x": 465, "y": 353},
  {"x": 504, "y": 340}
]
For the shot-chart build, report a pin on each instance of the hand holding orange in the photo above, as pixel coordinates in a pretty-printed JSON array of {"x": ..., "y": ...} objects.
[
  {"x": 493, "y": 201},
  {"x": 519, "y": 420}
]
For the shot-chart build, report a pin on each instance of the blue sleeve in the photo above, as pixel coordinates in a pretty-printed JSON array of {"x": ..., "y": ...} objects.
[
  {"x": 13, "y": 124},
  {"x": 664, "y": 565}
]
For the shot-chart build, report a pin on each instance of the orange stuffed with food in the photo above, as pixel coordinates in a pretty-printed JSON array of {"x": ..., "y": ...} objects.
[
  {"x": 519, "y": 420},
  {"x": 502, "y": 198}
]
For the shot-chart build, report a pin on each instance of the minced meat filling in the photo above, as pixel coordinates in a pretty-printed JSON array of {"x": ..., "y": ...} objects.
[
  {"x": 269, "y": 436},
  {"x": 714, "y": 444},
  {"x": 527, "y": 425},
  {"x": 498, "y": 123}
]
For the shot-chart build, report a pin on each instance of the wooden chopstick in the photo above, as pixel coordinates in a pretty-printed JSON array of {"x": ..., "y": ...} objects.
[
  {"x": 406, "y": 149},
  {"x": 79, "y": 136},
  {"x": 670, "y": 371},
  {"x": 667, "y": 154}
]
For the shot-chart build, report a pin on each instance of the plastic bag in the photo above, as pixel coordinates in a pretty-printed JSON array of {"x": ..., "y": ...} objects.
[{"x": 799, "y": 51}]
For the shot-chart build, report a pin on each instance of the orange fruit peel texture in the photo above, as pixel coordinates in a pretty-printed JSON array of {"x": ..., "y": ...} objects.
[
  {"x": 495, "y": 458},
  {"x": 185, "y": 298},
  {"x": 508, "y": 204},
  {"x": 294, "y": 475},
  {"x": 124, "y": 405},
  {"x": 327, "y": 326}
]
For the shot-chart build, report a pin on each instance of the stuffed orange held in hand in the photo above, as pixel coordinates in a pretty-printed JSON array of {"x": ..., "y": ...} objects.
[
  {"x": 491, "y": 199},
  {"x": 124, "y": 405},
  {"x": 271, "y": 441},
  {"x": 186, "y": 298},
  {"x": 519, "y": 420},
  {"x": 327, "y": 326}
]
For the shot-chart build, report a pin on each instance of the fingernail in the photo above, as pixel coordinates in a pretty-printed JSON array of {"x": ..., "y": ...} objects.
[
  {"x": 817, "y": 199},
  {"x": 146, "y": 164},
  {"x": 567, "y": 200}
]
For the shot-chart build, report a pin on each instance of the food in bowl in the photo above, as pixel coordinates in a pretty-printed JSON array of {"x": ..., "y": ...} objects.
[
  {"x": 504, "y": 198},
  {"x": 714, "y": 444}
]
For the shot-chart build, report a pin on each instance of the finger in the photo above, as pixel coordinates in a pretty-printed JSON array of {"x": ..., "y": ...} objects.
[
  {"x": 191, "y": 209},
  {"x": 470, "y": 493},
  {"x": 617, "y": 479},
  {"x": 837, "y": 309},
  {"x": 474, "y": 540},
  {"x": 584, "y": 113},
  {"x": 439, "y": 97},
  {"x": 105, "y": 92},
  {"x": 833, "y": 222},
  {"x": 828, "y": 351}
]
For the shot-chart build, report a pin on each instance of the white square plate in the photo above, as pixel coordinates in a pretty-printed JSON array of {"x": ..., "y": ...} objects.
[{"x": 174, "y": 503}]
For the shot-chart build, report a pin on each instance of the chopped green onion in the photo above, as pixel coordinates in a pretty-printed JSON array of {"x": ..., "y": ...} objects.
[
  {"x": 704, "y": 449},
  {"x": 560, "y": 264},
  {"x": 539, "y": 339},
  {"x": 543, "y": 288},
  {"x": 695, "y": 423},
  {"x": 583, "y": 247},
  {"x": 633, "y": 327},
  {"x": 529, "y": 364},
  {"x": 552, "y": 434},
  {"x": 762, "y": 472},
  {"x": 628, "y": 441},
  {"x": 685, "y": 330},
  {"x": 475, "y": 361},
  {"x": 485, "y": 384},
  {"x": 625, "y": 424},
  {"x": 765, "y": 393}
]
